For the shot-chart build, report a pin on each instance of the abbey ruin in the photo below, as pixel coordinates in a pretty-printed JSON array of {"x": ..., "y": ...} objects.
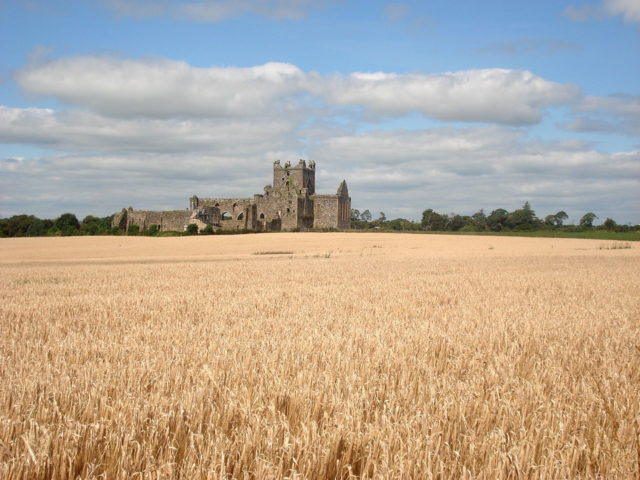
[{"x": 289, "y": 203}]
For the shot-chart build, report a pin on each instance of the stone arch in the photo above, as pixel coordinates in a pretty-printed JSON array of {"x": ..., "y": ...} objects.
[
  {"x": 225, "y": 216},
  {"x": 261, "y": 216},
  {"x": 241, "y": 216},
  {"x": 234, "y": 208}
]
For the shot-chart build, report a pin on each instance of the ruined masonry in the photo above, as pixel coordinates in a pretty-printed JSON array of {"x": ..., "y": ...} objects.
[{"x": 289, "y": 203}]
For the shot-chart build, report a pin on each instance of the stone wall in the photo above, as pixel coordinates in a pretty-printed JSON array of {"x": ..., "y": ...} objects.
[
  {"x": 167, "y": 220},
  {"x": 235, "y": 213},
  {"x": 325, "y": 211}
]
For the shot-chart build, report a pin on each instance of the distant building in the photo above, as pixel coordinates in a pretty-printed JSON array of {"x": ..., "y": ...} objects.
[{"x": 289, "y": 203}]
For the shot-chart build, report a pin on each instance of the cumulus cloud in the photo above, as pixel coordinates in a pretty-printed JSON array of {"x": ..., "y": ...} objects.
[
  {"x": 164, "y": 88},
  {"x": 159, "y": 87},
  {"x": 613, "y": 114},
  {"x": 462, "y": 169},
  {"x": 215, "y": 10},
  {"x": 512, "y": 97},
  {"x": 628, "y": 105},
  {"x": 87, "y": 131},
  {"x": 629, "y": 9}
]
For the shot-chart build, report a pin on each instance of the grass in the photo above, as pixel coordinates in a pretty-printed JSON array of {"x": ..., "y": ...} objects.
[{"x": 415, "y": 356}]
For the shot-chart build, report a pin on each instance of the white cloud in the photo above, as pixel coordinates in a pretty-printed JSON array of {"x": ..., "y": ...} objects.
[
  {"x": 86, "y": 131},
  {"x": 161, "y": 88},
  {"x": 630, "y": 9},
  {"x": 464, "y": 169},
  {"x": 164, "y": 88},
  {"x": 512, "y": 97},
  {"x": 613, "y": 114},
  {"x": 627, "y": 105}
]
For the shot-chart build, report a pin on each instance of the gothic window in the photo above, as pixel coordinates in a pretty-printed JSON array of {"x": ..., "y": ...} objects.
[{"x": 241, "y": 216}]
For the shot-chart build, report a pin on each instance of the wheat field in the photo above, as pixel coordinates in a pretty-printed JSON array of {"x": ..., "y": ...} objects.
[{"x": 319, "y": 356}]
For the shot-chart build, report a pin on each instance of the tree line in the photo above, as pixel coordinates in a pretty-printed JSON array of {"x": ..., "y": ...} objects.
[
  {"x": 499, "y": 220},
  {"x": 66, "y": 224}
]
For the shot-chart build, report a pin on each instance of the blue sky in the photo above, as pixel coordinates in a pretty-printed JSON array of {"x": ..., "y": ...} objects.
[{"x": 450, "y": 105}]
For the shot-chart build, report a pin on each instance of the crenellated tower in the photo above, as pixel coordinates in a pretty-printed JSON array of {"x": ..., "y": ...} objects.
[{"x": 298, "y": 177}]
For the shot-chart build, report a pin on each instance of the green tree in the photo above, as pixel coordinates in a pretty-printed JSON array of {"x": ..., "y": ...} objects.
[
  {"x": 456, "y": 222},
  {"x": 497, "y": 220},
  {"x": 95, "y": 225},
  {"x": 561, "y": 216},
  {"x": 67, "y": 223},
  {"x": 434, "y": 221},
  {"x": 587, "y": 219},
  {"x": 523, "y": 218},
  {"x": 192, "y": 229},
  {"x": 479, "y": 220},
  {"x": 208, "y": 230},
  {"x": 133, "y": 230},
  {"x": 550, "y": 220},
  {"x": 21, "y": 226},
  {"x": 610, "y": 224},
  {"x": 365, "y": 216}
]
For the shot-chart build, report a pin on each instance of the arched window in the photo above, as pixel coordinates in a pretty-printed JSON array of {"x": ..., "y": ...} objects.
[
  {"x": 226, "y": 216},
  {"x": 235, "y": 207},
  {"x": 262, "y": 216},
  {"x": 241, "y": 216}
]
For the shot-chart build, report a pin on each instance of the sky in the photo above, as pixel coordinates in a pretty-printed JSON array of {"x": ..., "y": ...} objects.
[{"x": 454, "y": 105}]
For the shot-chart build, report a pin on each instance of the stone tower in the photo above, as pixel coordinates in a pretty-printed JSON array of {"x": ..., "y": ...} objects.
[{"x": 297, "y": 177}]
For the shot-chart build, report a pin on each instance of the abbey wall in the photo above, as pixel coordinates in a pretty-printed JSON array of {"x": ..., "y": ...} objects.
[{"x": 288, "y": 203}]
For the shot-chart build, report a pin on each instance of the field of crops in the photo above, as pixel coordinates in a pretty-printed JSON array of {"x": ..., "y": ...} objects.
[{"x": 320, "y": 356}]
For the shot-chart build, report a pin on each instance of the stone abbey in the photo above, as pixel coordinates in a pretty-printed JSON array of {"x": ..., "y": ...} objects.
[{"x": 289, "y": 203}]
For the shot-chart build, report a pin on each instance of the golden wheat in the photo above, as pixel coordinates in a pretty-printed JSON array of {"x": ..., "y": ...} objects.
[{"x": 319, "y": 356}]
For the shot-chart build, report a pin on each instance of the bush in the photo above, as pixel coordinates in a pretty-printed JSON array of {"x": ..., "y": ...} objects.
[
  {"x": 133, "y": 230},
  {"x": 208, "y": 230},
  {"x": 192, "y": 229}
]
